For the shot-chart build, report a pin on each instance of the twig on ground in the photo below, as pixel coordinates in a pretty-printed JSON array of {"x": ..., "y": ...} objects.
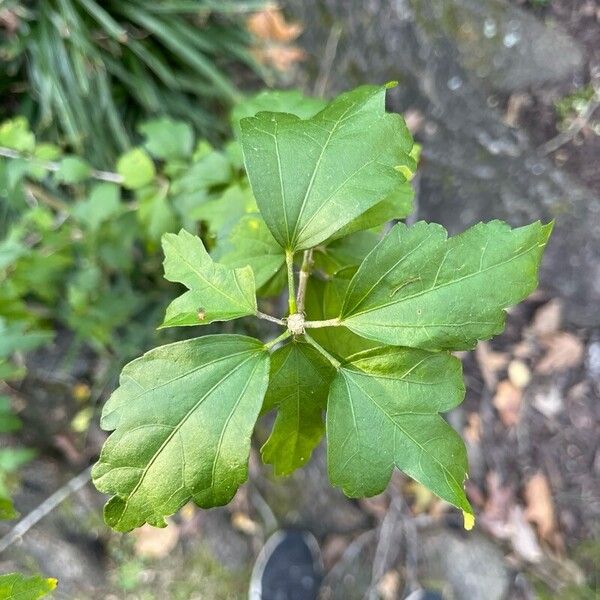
[
  {"x": 54, "y": 166},
  {"x": 576, "y": 126},
  {"x": 389, "y": 536},
  {"x": 46, "y": 507}
]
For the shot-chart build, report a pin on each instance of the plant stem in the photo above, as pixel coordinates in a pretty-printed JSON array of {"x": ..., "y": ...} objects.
[
  {"x": 54, "y": 166},
  {"x": 289, "y": 261},
  {"x": 317, "y": 346},
  {"x": 284, "y": 336},
  {"x": 266, "y": 317},
  {"x": 307, "y": 262},
  {"x": 327, "y": 323}
]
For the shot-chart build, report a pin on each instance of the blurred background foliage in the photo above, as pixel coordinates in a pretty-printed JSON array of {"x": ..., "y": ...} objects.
[{"x": 86, "y": 72}]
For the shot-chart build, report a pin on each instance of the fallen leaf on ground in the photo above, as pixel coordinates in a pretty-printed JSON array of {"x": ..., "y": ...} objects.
[
  {"x": 155, "y": 542},
  {"x": 333, "y": 548},
  {"x": 490, "y": 363},
  {"x": 499, "y": 498},
  {"x": 414, "y": 120},
  {"x": 270, "y": 24},
  {"x": 275, "y": 35},
  {"x": 242, "y": 522},
  {"x": 279, "y": 57},
  {"x": 388, "y": 586},
  {"x": 547, "y": 319},
  {"x": 472, "y": 431},
  {"x": 522, "y": 536},
  {"x": 563, "y": 351},
  {"x": 377, "y": 506},
  {"x": 507, "y": 401},
  {"x": 540, "y": 508},
  {"x": 524, "y": 349},
  {"x": 516, "y": 103}
]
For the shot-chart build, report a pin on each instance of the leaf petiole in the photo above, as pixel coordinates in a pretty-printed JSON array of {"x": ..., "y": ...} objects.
[
  {"x": 307, "y": 263},
  {"x": 327, "y": 323},
  {"x": 336, "y": 363},
  {"x": 284, "y": 336},
  {"x": 266, "y": 317},
  {"x": 289, "y": 261}
]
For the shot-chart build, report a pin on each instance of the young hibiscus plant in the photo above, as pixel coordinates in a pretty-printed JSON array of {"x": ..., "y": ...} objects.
[{"x": 364, "y": 356}]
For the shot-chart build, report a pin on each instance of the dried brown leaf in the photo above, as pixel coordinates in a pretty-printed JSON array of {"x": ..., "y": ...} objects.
[
  {"x": 563, "y": 351},
  {"x": 270, "y": 25},
  {"x": 540, "y": 507},
  {"x": 490, "y": 363},
  {"x": 155, "y": 542},
  {"x": 242, "y": 522},
  {"x": 507, "y": 401},
  {"x": 278, "y": 56},
  {"x": 547, "y": 319},
  {"x": 472, "y": 431},
  {"x": 388, "y": 586}
]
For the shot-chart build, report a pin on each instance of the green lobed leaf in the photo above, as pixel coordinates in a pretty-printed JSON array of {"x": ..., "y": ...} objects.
[
  {"x": 397, "y": 205},
  {"x": 311, "y": 177},
  {"x": 348, "y": 251},
  {"x": 221, "y": 214},
  {"x": 216, "y": 292},
  {"x": 103, "y": 203},
  {"x": 15, "y": 586},
  {"x": 298, "y": 387},
  {"x": 420, "y": 288},
  {"x": 155, "y": 213},
  {"x": 136, "y": 168},
  {"x": 286, "y": 101},
  {"x": 168, "y": 139},
  {"x": 251, "y": 243},
  {"x": 382, "y": 412},
  {"x": 183, "y": 418},
  {"x": 73, "y": 169},
  {"x": 15, "y": 134}
]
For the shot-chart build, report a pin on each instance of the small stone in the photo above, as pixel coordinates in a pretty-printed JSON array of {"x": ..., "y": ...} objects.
[{"x": 519, "y": 374}]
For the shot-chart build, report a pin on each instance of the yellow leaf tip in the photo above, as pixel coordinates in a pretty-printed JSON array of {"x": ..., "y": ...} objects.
[{"x": 468, "y": 520}]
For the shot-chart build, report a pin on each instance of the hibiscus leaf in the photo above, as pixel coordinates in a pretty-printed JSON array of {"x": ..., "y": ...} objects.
[
  {"x": 182, "y": 420},
  {"x": 382, "y": 413},
  {"x": 421, "y": 289},
  {"x": 312, "y": 176}
]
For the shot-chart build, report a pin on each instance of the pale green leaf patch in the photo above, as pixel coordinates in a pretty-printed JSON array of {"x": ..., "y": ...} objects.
[
  {"x": 168, "y": 139},
  {"x": 421, "y": 289},
  {"x": 312, "y": 176},
  {"x": 216, "y": 292},
  {"x": 183, "y": 417},
  {"x": 251, "y": 243},
  {"x": 136, "y": 168},
  {"x": 73, "y": 169},
  {"x": 298, "y": 388},
  {"x": 15, "y": 586},
  {"x": 382, "y": 413}
]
